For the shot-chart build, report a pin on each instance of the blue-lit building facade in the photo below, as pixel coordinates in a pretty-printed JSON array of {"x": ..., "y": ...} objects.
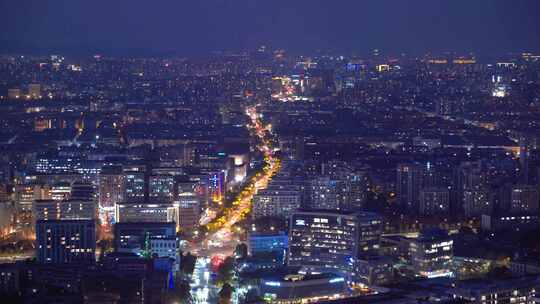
[
  {"x": 275, "y": 244},
  {"x": 332, "y": 241},
  {"x": 216, "y": 184}
]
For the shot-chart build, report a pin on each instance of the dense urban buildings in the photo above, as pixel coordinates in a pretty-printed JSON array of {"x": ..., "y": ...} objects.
[
  {"x": 270, "y": 174},
  {"x": 335, "y": 172}
]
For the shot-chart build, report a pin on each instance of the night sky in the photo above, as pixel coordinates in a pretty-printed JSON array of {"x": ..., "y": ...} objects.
[{"x": 186, "y": 27}]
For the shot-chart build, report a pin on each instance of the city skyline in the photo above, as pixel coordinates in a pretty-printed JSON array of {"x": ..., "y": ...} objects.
[
  {"x": 201, "y": 27},
  {"x": 269, "y": 152}
]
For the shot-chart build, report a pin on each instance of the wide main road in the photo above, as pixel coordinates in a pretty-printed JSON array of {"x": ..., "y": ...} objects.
[{"x": 223, "y": 235}]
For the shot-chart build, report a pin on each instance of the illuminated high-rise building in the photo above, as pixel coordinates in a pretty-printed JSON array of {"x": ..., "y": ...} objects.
[
  {"x": 471, "y": 175},
  {"x": 268, "y": 242},
  {"x": 240, "y": 166},
  {"x": 476, "y": 202},
  {"x": 111, "y": 188},
  {"x": 64, "y": 210},
  {"x": 82, "y": 191},
  {"x": 161, "y": 187},
  {"x": 189, "y": 211},
  {"x": 65, "y": 241},
  {"x": 470, "y": 180},
  {"x": 185, "y": 184},
  {"x": 165, "y": 246},
  {"x": 351, "y": 184},
  {"x": 216, "y": 186},
  {"x": 325, "y": 193},
  {"x": 61, "y": 191},
  {"x": 277, "y": 201},
  {"x": 332, "y": 241},
  {"x": 409, "y": 182},
  {"x": 135, "y": 185},
  {"x": 136, "y": 237},
  {"x": 524, "y": 199},
  {"x": 432, "y": 253},
  {"x": 192, "y": 185},
  {"x": 25, "y": 194},
  {"x": 24, "y": 197},
  {"x": 434, "y": 201}
]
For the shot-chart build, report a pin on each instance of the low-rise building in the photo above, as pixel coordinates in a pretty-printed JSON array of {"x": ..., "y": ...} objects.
[
  {"x": 375, "y": 271},
  {"x": 491, "y": 291},
  {"x": 145, "y": 212},
  {"x": 303, "y": 288},
  {"x": 510, "y": 222},
  {"x": 135, "y": 237}
]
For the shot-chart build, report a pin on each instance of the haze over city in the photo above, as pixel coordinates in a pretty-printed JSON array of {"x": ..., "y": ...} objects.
[{"x": 199, "y": 27}]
